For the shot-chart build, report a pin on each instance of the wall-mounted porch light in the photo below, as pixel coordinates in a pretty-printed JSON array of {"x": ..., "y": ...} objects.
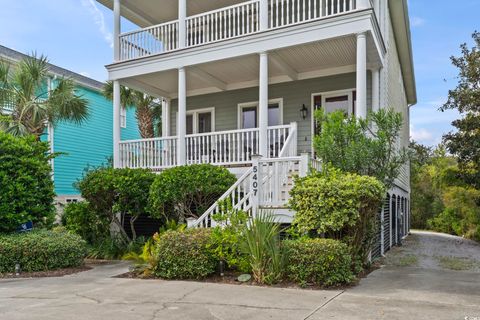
[{"x": 304, "y": 112}]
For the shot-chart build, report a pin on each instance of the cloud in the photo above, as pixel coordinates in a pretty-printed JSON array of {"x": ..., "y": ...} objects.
[
  {"x": 417, "y": 21},
  {"x": 99, "y": 20},
  {"x": 421, "y": 134}
]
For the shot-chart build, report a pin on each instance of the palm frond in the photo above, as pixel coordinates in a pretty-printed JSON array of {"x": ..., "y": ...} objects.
[{"x": 65, "y": 104}]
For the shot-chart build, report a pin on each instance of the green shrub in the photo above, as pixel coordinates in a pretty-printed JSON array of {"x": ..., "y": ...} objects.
[
  {"x": 110, "y": 191},
  {"x": 262, "y": 246},
  {"x": 188, "y": 191},
  {"x": 41, "y": 251},
  {"x": 341, "y": 206},
  {"x": 79, "y": 218},
  {"x": 26, "y": 186},
  {"x": 323, "y": 262},
  {"x": 184, "y": 255}
]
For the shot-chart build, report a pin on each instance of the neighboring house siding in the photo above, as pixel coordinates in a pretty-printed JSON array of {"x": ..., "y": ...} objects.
[
  {"x": 294, "y": 95},
  {"x": 88, "y": 144},
  {"x": 395, "y": 96}
]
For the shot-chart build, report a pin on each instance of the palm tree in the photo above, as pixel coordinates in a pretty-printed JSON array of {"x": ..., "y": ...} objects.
[
  {"x": 147, "y": 109},
  {"x": 27, "y": 105}
]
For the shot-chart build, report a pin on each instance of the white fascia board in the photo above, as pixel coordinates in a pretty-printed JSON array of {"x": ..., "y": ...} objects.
[{"x": 303, "y": 33}]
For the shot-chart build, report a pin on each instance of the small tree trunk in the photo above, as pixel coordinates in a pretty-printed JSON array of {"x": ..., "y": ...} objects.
[{"x": 132, "y": 227}]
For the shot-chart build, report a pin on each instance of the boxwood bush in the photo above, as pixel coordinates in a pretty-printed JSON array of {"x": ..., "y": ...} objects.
[
  {"x": 184, "y": 255},
  {"x": 324, "y": 262},
  {"x": 41, "y": 251},
  {"x": 26, "y": 186}
]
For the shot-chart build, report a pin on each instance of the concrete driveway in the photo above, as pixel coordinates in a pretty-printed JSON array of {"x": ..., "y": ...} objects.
[{"x": 415, "y": 283}]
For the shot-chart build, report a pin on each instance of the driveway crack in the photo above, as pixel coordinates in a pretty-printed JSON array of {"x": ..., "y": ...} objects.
[{"x": 323, "y": 305}]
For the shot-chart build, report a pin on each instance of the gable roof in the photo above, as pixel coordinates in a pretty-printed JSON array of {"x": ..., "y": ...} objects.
[{"x": 15, "y": 56}]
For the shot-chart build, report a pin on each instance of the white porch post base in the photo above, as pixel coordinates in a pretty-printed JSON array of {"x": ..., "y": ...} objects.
[{"x": 375, "y": 90}]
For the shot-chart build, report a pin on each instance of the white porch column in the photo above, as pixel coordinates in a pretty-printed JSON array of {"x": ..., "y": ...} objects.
[
  {"x": 375, "y": 90},
  {"x": 165, "y": 117},
  {"x": 182, "y": 116},
  {"x": 116, "y": 30},
  {"x": 361, "y": 111},
  {"x": 116, "y": 124},
  {"x": 263, "y": 105},
  {"x": 182, "y": 26},
  {"x": 263, "y": 15}
]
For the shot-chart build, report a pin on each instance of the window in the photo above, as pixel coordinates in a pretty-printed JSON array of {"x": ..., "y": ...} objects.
[
  {"x": 248, "y": 114},
  {"x": 123, "y": 117},
  {"x": 200, "y": 120}
]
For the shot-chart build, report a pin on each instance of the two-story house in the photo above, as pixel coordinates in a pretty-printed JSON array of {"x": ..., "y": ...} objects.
[
  {"x": 89, "y": 144},
  {"x": 243, "y": 78}
]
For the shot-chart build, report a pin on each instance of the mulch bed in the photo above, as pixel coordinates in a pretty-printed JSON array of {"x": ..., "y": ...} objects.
[
  {"x": 231, "y": 278},
  {"x": 46, "y": 274}
]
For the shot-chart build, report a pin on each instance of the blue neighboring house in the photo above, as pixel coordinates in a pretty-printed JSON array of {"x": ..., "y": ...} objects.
[{"x": 87, "y": 145}]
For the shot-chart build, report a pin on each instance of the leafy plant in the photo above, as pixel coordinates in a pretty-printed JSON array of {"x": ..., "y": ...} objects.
[
  {"x": 188, "y": 190},
  {"x": 363, "y": 146},
  {"x": 112, "y": 248},
  {"x": 41, "y": 251},
  {"x": 30, "y": 104},
  {"x": 146, "y": 260},
  {"x": 262, "y": 246},
  {"x": 26, "y": 187},
  {"x": 172, "y": 225},
  {"x": 340, "y": 205},
  {"x": 184, "y": 255},
  {"x": 79, "y": 218},
  {"x": 323, "y": 262}
]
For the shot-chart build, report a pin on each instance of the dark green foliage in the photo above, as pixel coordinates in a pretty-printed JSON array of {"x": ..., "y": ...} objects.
[
  {"x": 464, "y": 143},
  {"x": 110, "y": 191},
  {"x": 79, "y": 218},
  {"x": 323, "y": 262},
  {"x": 26, "y": 186},
  {"x": 350, "y": 144},
  {"x": 188, "y": 191},
  {"x": 184, "y": 255},
  {"x": 41, "y": 251},
  {"x": 339, "y": 205}
]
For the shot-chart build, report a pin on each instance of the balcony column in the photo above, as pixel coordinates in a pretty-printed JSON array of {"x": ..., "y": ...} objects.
[
  {"x": 263, "y": 105},
  {"x": 263, "y": 15},
  {"x": 116, "y": 30},
  {"x": 182, "y": 116},
  {"x": 166, "y": 117},
  {"x": 182, "y": 26},
  {"x": 116, "y": 124},
  {"x": 375, "y": 90},
  {"x": 361, "y": 111}
]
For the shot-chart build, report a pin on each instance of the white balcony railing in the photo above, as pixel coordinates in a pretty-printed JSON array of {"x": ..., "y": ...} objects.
[
  {"x": 156, "y": 153},
  {"x": 226, "y": 23}
]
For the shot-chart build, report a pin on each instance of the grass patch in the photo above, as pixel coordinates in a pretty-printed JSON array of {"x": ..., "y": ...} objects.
[
  {"x": 453, "y": 263},
  {"x": 408, "y": 260}
]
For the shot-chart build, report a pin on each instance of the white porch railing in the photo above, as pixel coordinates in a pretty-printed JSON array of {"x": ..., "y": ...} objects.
[
  {"x": 224, "y": 23},
  {"x": 239, "y": 195},
  {"x": 153, "y": 40},
  {"x": 154, "y": 153},
  {"x": 287, "y": 12}
]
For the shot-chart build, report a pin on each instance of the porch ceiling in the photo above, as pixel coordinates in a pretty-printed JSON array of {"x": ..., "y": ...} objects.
[
  {"x": 312, "y": 60},
  {"x": 145, "y": 13}
]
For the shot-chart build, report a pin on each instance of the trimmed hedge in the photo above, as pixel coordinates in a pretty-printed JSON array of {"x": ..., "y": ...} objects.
[
  {"x": 184, "y": 255},
  {"x": 41, "y": 251},
  {"x": 26, "y": 186},
  {"x": 323, "y": 262}
]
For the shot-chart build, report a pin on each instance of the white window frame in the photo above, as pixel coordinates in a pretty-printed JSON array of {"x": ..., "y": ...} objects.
[
  {"x": 123, "y": 117},
  {"x": 325, "y": 95},
  {"x": 194, "y": 113},
  {"x": 251, "y": 104}
]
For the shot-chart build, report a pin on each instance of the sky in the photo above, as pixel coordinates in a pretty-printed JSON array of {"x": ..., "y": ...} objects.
[{"x": 77, "y": 35}]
